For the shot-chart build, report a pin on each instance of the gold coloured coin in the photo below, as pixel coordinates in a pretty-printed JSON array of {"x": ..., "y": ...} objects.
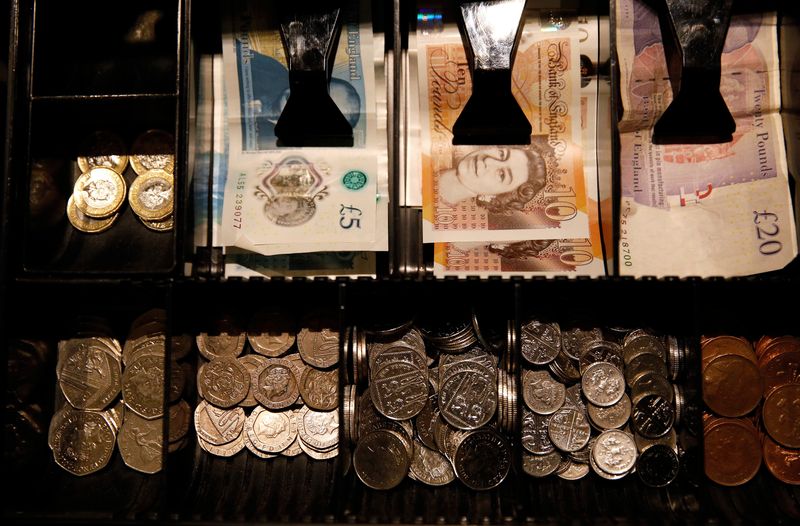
[
  {"x": 151, "y": 195},
  {"x": 99, "y": 192},
  {"x": 103, "y": 149},
  {"x": 164, "y": 225},
  {"x": 85, "y": 223},
  {"x": 153, "y": 150}
]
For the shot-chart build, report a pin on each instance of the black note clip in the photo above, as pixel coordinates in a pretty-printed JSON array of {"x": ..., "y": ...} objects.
[
  {"x": 491, "y": 30},
  {"x": 310, "y": 34},
  {"x": 694, "y": 35}
]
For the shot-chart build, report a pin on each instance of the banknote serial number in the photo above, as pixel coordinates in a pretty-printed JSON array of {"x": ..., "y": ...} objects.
[
  {"x": 624, "y": 246},
  {"x": 766, "y": 224},
  {"x": 238, "y": 200}
]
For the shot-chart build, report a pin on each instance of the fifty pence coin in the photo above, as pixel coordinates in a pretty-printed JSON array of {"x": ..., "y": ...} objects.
[
  {"x": 83, "y": 442},
  {"x": 143, "y": 386},
  {"x": 141, "y": 442},
  {"x": 89, "y": 374}
]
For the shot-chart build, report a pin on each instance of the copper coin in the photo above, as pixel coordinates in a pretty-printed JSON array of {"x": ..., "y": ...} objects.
[
  {"x": 781, "y": 415},
  {"x": 731, "y": 385},
  {"x": 780, "y": 369},
  {"x": 782, "y": 462},
  {"x": 732, "y": 453},
  {"x": 725, "y": 345},
  {"x": 778, "y": 345}
]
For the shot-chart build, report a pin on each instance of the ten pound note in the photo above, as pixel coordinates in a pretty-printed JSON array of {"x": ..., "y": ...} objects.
[{"x": 711, "y": 209}]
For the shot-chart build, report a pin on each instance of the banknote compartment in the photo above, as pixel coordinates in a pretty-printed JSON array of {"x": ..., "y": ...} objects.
[
  {"x": 93, "y": 48},
  {"x": 205, "y": 487},
  {"x": 116, "y": 492}
]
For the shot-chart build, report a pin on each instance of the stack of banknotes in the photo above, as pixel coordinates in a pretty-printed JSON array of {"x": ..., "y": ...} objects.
[{"x": 703, "y": 210}]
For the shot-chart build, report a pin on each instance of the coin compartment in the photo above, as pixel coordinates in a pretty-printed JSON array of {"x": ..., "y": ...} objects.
[
  {"x": 206, "y": 487},
  {"x": 95, "y": 48},
  {"x": 42, "y": 490},
  {"x": 61, "y": 131}
]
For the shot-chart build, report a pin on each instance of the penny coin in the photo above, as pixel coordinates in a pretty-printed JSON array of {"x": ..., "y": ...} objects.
[
  {"x": 614, "y": 452},
  {"x": 99, "y": 192},
  {"x": 727, "y": 345},
  {"x": 569, "y": 430},
  {"x": 85, "y": 223},
  {"x": 151, "y": 195},
  {"x": 218, "y": 426},
  {"x": 541, "y": 392},
  {"x": 603, "y": 384},
  {"x": 652, "y": 416},
  {"x": 318, "y": 429},
  {"x": 780, "y": 369},
  {"x": 320, "y": 389},
  {"x": 140, "y": 443},
  {"x": 153, "y": 150},
  {"x": 658, "y": 466},
  {"x": 83, "y": 442},
  {"x": 319, "y": 349},
  {"x": 731, "y": 385},
  {"x": 381, "y": 460},
  {"x": 611, "y": 417},
  {"x": 781, "y": 415},
  {"x": 277, "y": 386},
  {"x": 225, "y": 382},
  {"x": 104, "y": 149},
  {"x": 482, "y": 459},
  {"x": 431, "y": 467},
  {"x": 540, "y": 342},
  {"x": 731, "y": 452},
  {"x": 540, "y": 465},
  {"x": 783, "y": 463}
]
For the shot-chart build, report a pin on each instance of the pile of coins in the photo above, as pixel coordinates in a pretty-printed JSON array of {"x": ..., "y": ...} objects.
[
  {"x": 100, "y": 191},
  {"x": 596, "y": 404},
  {"x": 435, "y": 407},
  {"x": 92, "y": 371},
  {"x": 288, "y": 383},
  {"x": 752, "y": 399}
]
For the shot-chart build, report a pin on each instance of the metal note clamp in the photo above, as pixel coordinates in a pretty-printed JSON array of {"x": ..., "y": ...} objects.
[
  {"x": 694, "y": 35},
  {"x": 310, "y": 34},
  {"x": 491, "y": 32}
]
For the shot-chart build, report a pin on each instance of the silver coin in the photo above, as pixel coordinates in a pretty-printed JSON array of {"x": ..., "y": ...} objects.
[
  {"x": 180, "y": 417},
  {"x": 601, "y": 351},
  {"x": 482, "y": 459},
  {"x": 642, "y": 364},
  {"x": 226, "y": 339},
  {"x": 652, "y": 416},
  {"x": 568, "y": 430},
  {"x": 270, "y": 432},
  {"x": 89, "y": 373},
  {"x": 573, "y": 398},
  {"x": 252, "y": 362},
  {"x": 254, "y": 450},
  {"x": 218, "y": 426},
  {"x": 540, "y": 342},
  {"x": 424, "y": 422},
  {"x": 632, "y": 335},
  {"x": 399, "y": 390},
  {"x": 651, "y": 383},
  {"x": 535, "y": 437},
  {"x": 614, "y": 452},
  {"x": 475, "y": 354},
  {"x": 574, "y": 471},
  {"x": 266, "y": 337},
  {"x": 225, "y": 450},
  {"x": 277, "y": 386},
  {"x": 396, "y": 354},
  {"x": 540, "y": 465},
  {"x": 565, "y": 368},
  {"x": 318, "y": 429},
  {"x": 670, "y": 439},
  {"x": 143, "y": 386},
  {"x": 318, "y": 455},
  {"x": 381, "y": 460},
  {"x": 83, "y": 442},
  {"x": 611, "y": 417},
  {"x": 319, "y": 348},
  {"x": 468, "y": 398},
  {"x": 604, "y": 474},
  {"x": 141, "y": 443},
  {"x": 573, "y": 340},
  {"x": 541, "y": 392},
  {"x": 645, "y": 344},
  {"x": 224, "y": 382},
  {"x": 603, "y": 384},
  {"x": 430, "y": 466},
  {"x": 294, "y": 449}
]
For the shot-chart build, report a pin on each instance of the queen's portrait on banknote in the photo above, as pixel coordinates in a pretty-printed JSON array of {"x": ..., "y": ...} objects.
[{"x": 499, "y": 178}]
